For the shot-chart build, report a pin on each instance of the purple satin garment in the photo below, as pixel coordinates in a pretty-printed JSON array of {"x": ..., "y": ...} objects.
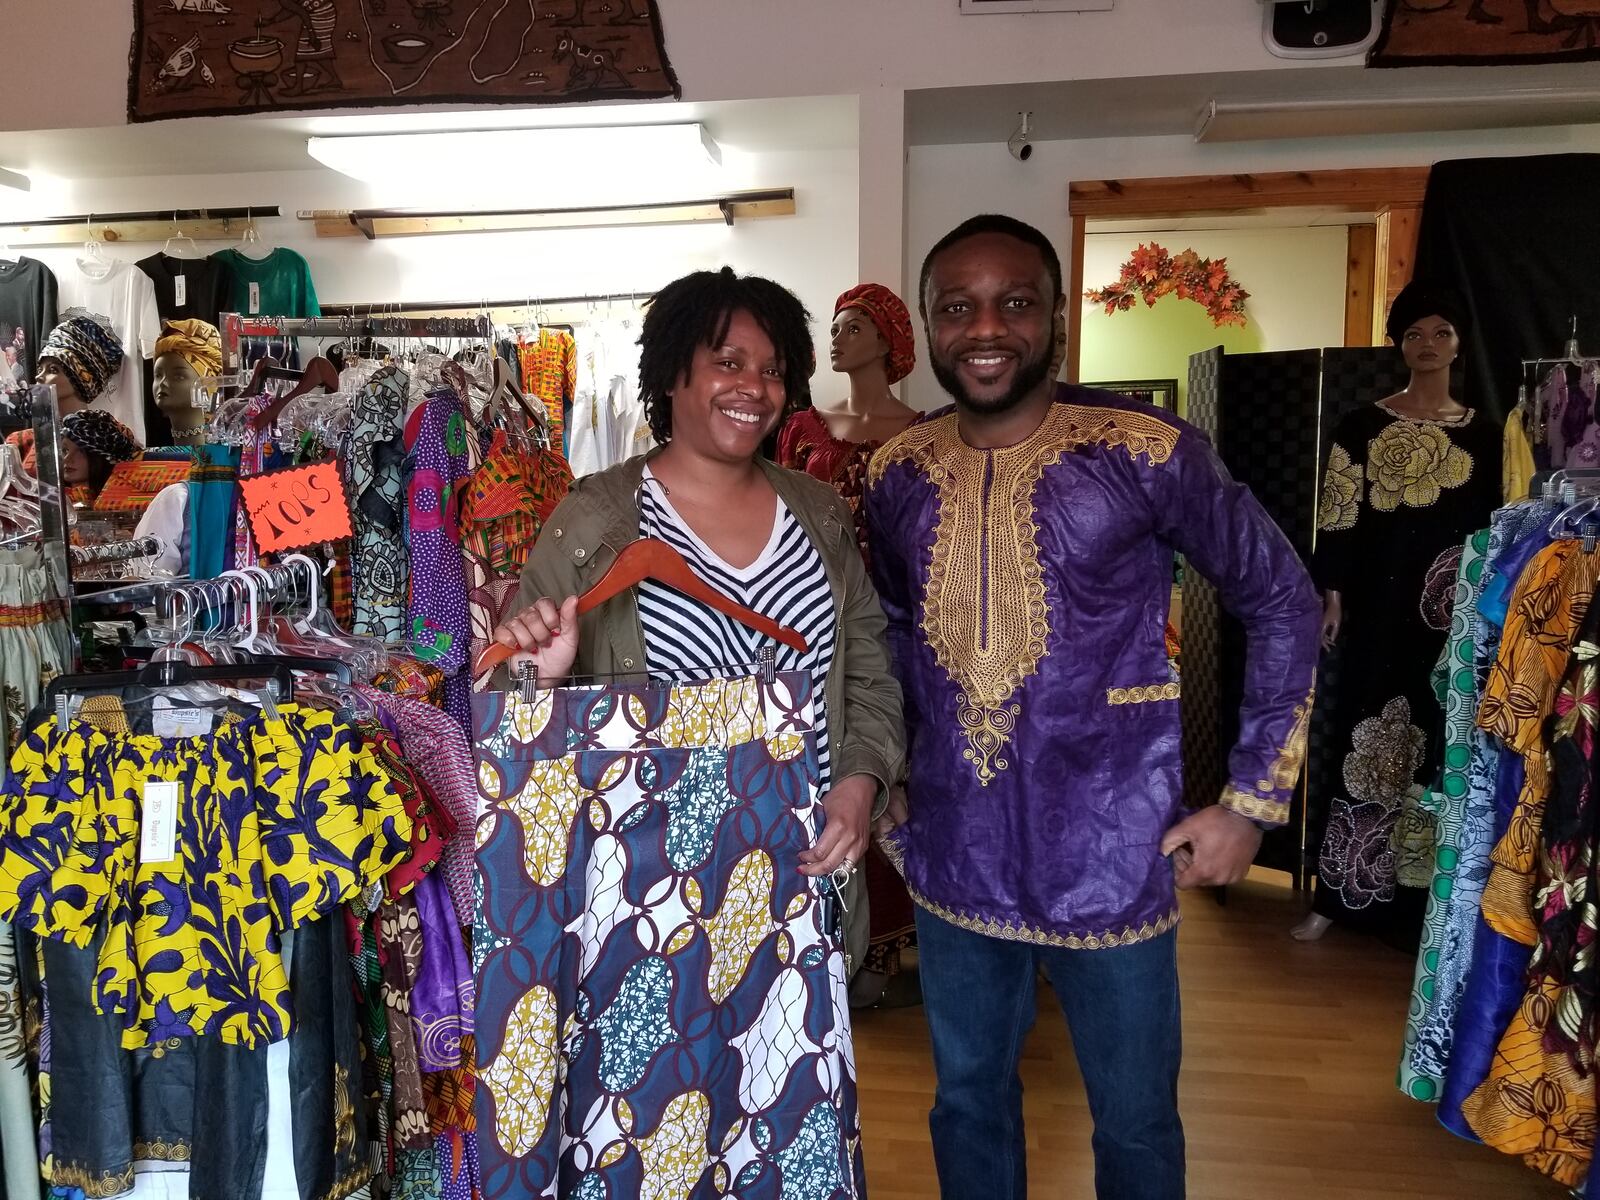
[{"x": 442, "y": 1000}]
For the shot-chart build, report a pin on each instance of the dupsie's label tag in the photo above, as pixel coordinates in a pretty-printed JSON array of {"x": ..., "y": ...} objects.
[
  {"x": 255, "y": 299},
  {"x": 180, "y": 290},
  {"x": 158, "y": 828}
]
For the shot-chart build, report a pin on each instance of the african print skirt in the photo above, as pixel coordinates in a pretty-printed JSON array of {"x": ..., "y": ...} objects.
[{"x": 661, "y": 1013}]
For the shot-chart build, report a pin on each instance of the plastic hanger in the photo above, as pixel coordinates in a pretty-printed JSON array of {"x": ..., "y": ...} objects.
[
  {"x": 318, "y": 373},
  {"x": 648, "y": 558},
  {"x": 93, "y": 252},
  {"x": 179, "y": 236}
]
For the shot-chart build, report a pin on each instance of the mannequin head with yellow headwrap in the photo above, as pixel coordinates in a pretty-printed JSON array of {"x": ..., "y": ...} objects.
[{"x": 186, "y": 351}]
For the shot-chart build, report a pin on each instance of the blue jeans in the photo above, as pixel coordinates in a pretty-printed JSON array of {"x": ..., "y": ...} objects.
[{"x": 1121, "y": 1007}]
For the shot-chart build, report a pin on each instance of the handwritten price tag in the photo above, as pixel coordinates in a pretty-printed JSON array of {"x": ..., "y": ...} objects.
[{"x": 296, "y": 506}]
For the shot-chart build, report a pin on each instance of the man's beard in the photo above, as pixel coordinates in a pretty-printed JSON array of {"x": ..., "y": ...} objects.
[{"x": 1029, "y": 375}]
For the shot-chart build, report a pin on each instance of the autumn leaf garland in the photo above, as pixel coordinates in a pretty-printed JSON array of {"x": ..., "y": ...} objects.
[{"x": 1153, "y": 272}]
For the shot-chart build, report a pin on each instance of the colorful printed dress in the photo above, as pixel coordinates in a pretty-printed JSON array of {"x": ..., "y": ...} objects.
[
  {"x": 1399, "y": 498},
  {"x": 807, "y": 444}
]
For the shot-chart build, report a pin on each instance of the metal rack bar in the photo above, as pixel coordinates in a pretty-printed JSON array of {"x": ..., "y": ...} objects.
[
  {"x": 429, "y": 306},
  {"x": 235, "y": 327}
]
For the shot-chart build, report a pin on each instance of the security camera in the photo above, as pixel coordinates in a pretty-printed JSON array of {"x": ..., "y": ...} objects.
[{"x": 1019, "y": 145}]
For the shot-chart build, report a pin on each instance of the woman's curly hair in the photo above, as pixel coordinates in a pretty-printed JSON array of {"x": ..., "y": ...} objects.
[{"x": 696, "y": 311}]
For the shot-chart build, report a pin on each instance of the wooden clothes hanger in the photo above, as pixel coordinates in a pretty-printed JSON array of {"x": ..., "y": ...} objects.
[
  {"x": 648, "y": 558},
  {"x": 319, "y": 372}
]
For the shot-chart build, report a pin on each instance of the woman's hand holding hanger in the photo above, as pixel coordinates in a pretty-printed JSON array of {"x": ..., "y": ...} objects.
[{"x": 547, "y": 633}]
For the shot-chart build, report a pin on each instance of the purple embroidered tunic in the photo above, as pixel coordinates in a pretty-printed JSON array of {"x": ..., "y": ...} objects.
[{"x": 1027, "y": 590}]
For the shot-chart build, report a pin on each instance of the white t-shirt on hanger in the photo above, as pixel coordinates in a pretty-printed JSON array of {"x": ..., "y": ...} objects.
[{"x": 124, "y": 294}]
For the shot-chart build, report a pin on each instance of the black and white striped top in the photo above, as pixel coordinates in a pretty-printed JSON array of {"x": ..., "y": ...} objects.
[{"x": 686, "y": 641}]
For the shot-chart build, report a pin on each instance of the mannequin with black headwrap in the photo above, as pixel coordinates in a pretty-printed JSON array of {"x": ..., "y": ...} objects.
[{"x": 1408, "y": 479}]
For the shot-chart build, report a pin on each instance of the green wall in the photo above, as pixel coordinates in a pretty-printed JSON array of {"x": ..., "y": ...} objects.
[{"x": 1155, "y": 342}]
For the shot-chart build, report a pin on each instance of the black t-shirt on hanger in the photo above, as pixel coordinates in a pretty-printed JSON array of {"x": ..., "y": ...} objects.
[
  {"x": 27, "y": 315},
  {"x": 203, "y": 294}
]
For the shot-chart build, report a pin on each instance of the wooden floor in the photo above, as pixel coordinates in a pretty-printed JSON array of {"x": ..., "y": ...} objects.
[{"x": 1288, "y": 1085}]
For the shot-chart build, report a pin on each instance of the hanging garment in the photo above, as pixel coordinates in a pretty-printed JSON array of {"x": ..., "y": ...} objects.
[
  {"x": 1399, "y": 498},
  {"x": 260, "y": 453},
  {"x": 1422, "y": 1063},
  {"x": 213, "y": 482},
  {"x": 550, "y": 372},
  {"x": 278, "y": 285},
  {"x": 35, "y": 643},
  {"x": 1516, "y": 463},
  {"x": 661, "y": 1011},
  {"x": 189, "y": 288},
  {"x": 27, "y": 314},
  {"x": 381, "y": 566},
  {"x": 275, "y": 820},
  {"x": 436, "y": 438},
  {"x": 125, "y": 297}
]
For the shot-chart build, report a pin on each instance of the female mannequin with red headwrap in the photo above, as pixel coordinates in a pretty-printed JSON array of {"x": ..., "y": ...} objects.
[{"x": 872, "y": 343}]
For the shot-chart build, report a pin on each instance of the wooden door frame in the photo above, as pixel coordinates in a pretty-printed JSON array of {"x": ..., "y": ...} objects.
[{"x": 1392, "y": 194}]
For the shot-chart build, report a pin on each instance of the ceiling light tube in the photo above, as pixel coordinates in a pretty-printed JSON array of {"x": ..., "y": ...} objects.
[{"x": 1245, "y": 120}]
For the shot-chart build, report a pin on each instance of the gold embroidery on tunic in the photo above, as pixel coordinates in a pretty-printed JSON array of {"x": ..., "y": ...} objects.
[
  {"x": 1016, "y": 931},
  {"x": 984, "y": 613},
  {"x": 1143, "y": 695}
]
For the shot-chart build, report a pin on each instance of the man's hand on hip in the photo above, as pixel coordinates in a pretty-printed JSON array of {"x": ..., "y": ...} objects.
[{"x": 1213, "y": 848}]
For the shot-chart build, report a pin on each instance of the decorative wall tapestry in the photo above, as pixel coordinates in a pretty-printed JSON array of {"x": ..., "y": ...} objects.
[
  {"x": 1152, "y": 272},
  {"x": 218, "y": 57},
  {"x": 1421, "y": 33}
]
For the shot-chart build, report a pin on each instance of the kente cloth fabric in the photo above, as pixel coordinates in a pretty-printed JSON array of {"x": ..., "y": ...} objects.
[
  {"x": 436, "y": 437},
  {"x": 213, "y": 484},
  {"x": 99, "y": 433},
  {"x": 507, "y": 501},
  {"x": 1399, "y": 498},
  {"x": 1422, "y": 1063},
  {"x": 660, "y": 1009},
  {"x": 196, "y": 342},
  {"x": 134, "y": 484},
  {"x": 1027, "y": 590},
  {"x": 374, "y": 476},
  {"x": 550, "y": 372},
  {"x": 276, "y": 820},
  {"x": 90, "y": 351},
  {"x": 437, "y": 748},
  {"x": 1550, "y": 601},
  {"x": 889, "y": 315}
]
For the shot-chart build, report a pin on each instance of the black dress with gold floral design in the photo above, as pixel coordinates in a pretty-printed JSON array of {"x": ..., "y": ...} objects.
[{"x": 1399, "y": 498}]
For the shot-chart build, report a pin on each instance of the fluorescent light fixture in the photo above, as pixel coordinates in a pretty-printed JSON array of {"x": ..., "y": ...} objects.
[
  {"x": 1306, "y": 117},
  {"x": 626, "y": 154},
  {"x": 15, "y": 180}
]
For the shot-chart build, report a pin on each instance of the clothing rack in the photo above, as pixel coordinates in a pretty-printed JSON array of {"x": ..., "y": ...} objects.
[
  {"x": 236, "y": 327},
  {"x": 153, "y": 225},
  {"x": 528, "y": 305},
  {"x": 109, "y": 552}
]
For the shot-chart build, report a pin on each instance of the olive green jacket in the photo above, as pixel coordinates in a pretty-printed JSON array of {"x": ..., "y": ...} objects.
[{"x": 600, "y": 516}]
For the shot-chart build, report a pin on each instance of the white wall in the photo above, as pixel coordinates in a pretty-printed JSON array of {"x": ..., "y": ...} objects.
[
  {"x": 813, "y": 253},
  {"x": 947, "y": 184},
  {"x": 725, "y": 49}
]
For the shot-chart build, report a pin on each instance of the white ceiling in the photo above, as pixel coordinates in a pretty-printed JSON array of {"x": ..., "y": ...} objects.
[
  {"x": 1433, "y": 99},
  {"x": 229, "y": 145}
]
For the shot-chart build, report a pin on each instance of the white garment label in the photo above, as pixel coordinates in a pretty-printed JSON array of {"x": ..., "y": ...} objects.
[
  {"x": 158, "y": 831},
  {"x": 255, "y": 299},
  {"x": 171, "y": 722},
  {"x": 180, "y": 290}
]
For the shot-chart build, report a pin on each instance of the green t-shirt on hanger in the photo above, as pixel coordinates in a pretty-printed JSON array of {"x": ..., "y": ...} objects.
[{"x": 278, "y": 285}]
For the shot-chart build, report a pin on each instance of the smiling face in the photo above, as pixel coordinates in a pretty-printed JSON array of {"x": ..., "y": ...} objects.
[
  {"x": 1430, "y": 344},
  {"x": 732, "y": 398},
  {"x": 855, "y": 341},
  {"x": 991, "y": 311}
]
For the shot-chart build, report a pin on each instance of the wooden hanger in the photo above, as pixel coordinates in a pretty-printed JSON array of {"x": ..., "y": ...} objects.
[
  {"x": 648, "y": 558},
  {"x": 505, "y": 388},
  {"x": 318, "y": 373}
]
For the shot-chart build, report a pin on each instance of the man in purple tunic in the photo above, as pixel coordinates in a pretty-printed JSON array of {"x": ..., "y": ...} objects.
[{"x": 1022, "y": 543}]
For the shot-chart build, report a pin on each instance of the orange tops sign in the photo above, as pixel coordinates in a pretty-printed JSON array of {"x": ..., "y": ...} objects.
[{"x": 296, "y": 507}]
